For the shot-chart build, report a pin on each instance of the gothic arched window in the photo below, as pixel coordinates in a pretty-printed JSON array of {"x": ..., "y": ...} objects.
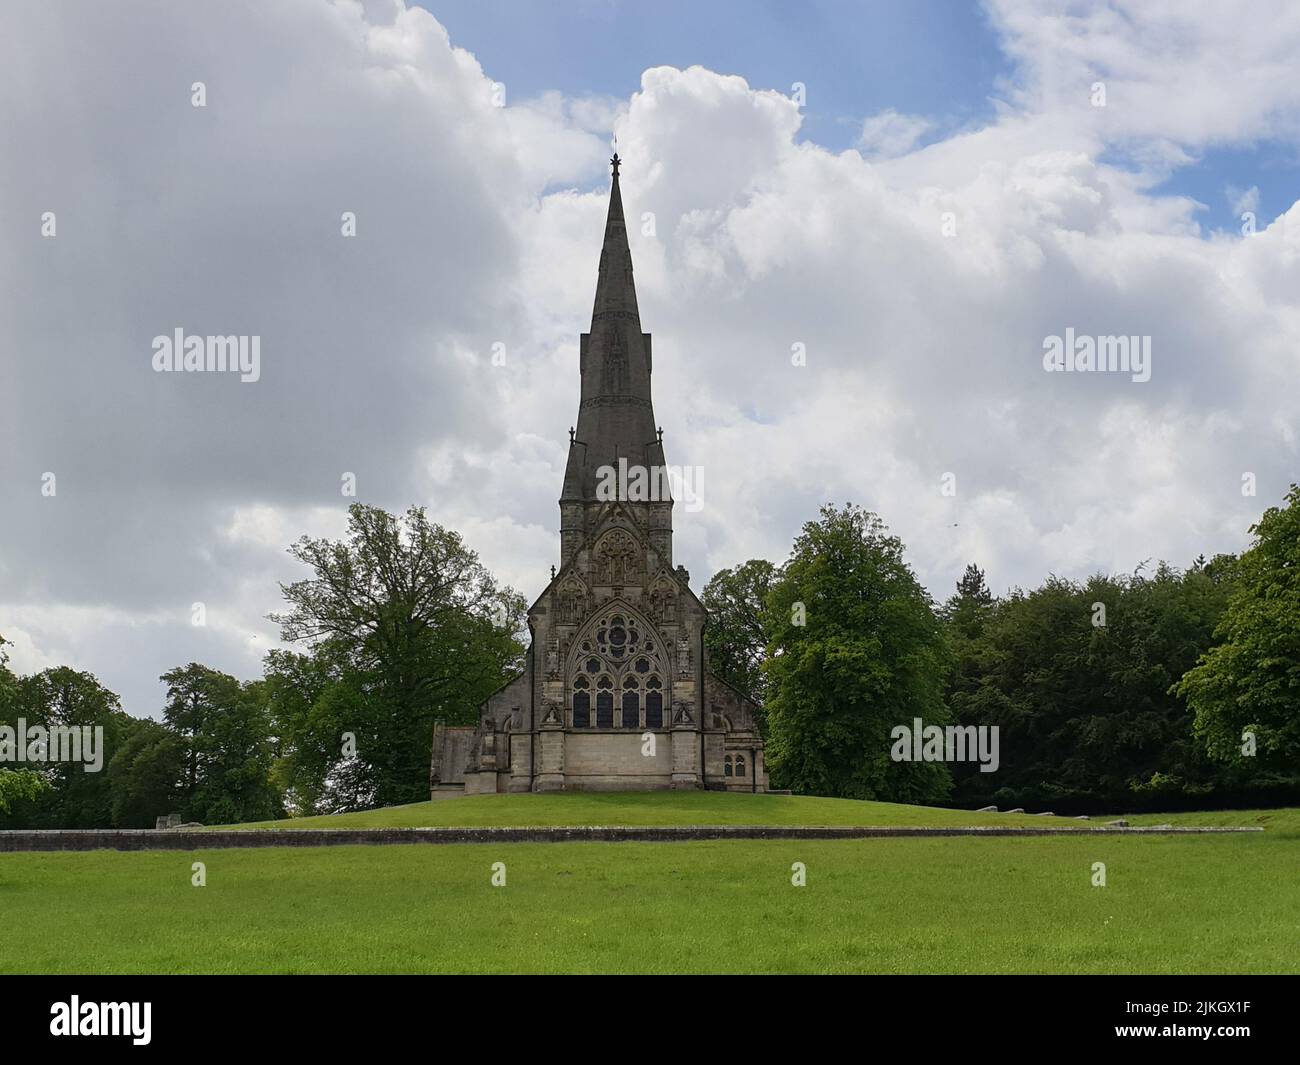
[
  {"x": 631, "y": 704},
  {"x": 740, "y": 765},
  {"x": 581, "y": 703},
  {"x": 618, "y": 665},
  {"x": 654, "y": 703},
  {"x": 604, "y": 703},
  {"x": 726, "y": 766}
]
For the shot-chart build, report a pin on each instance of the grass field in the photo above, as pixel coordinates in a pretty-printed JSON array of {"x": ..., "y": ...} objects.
[
  {"x": 653, "y": 808},
  {"x": 715, "y": 808},
  {"x": 1188, "y": 904}
]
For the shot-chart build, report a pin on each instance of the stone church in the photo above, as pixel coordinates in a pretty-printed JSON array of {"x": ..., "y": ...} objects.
[{"x": 614, "y": 694}]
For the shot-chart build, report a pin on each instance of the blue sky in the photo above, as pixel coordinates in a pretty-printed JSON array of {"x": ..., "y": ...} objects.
[
  {"x": 933, "y": 57},
  {"x": 939, "y": 59}
]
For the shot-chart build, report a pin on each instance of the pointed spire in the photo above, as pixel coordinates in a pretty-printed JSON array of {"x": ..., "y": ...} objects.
[
  {"x": 615, "y": 415},
  {"x": 615, "y": 290}
]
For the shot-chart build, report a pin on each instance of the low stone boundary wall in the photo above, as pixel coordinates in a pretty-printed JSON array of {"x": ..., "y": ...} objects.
[{"x": 174, "y": 840}]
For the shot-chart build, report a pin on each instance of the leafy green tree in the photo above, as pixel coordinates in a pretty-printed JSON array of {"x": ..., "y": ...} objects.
[
  {"x": 964, "y": 616},
  {"x": 17, "y": 785},
  {"x": 412, "y": 627},
  {"x": 78, "y": 795},
  {"x": 312, "y": 706},
  {"x": 147, "y": 774},
  {"x": 1077, "y": 678},
  {"x": 1248, "y": 686},
  {"x": 854, "y": 650},
  {"x": 225, "y": 727},
  {"x": 237, "y": 759},
  {"x": 734, "y": 639},
  {"x": 196, "y": 696}
]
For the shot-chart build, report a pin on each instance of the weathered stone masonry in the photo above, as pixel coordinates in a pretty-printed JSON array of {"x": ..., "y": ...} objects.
[{"x": 617, "y": 647}]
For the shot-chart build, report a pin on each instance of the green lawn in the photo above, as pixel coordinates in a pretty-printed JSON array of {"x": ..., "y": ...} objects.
[
  {"x": 1172, "y": 905},
  {"x": 654, "y": 808},
  {"x": 1284, "y": 822}
]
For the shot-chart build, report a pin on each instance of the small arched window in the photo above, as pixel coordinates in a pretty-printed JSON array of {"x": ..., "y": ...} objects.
[
  {"x": 726, "y": 766},
  {"x": 740, "y": 765},
  {"x": 581, "y": 703},
  {"x": 654, "y": 703},
  {"x": 604, "y": 703},
  {"x": 631, "y": 704}
]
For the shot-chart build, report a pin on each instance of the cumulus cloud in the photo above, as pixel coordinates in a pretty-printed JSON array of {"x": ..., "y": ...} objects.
[
  {"x": 920, "y": 283},
  {"x": 888, "y": 133}
]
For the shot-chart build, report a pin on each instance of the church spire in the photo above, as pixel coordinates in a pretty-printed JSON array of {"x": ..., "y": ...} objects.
[
  {"x": 615, "y": 416},
  {"x": 615, "y": 290}
]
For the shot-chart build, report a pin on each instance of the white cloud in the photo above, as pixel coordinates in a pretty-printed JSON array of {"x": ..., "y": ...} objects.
[
  {"x": 889, "y": 134},
  {"x": 923, "y": 349}
]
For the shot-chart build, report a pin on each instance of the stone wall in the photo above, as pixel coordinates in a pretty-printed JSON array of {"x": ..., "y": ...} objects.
[
  {"x": 143, "y": 839},
  {"x": 450, "y": 754}
]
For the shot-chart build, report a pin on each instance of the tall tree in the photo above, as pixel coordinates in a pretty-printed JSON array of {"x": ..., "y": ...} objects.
[
  {"x": 965, "y": 615},
  {"x": 734, "y": 639},
  {"x": 196, "y": 695},
  {"x": 78, "y": 795},
  {"x": 417, "y": 625},
  {"x": 226, "y": 729},
  {"x": 855, "y": 650},
  {"x": 1246, "y": 690},
  {"x": 146, "y": 774}
]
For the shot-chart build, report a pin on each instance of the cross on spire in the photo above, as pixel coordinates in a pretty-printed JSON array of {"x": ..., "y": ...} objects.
[{"x": 615, "y": 162}]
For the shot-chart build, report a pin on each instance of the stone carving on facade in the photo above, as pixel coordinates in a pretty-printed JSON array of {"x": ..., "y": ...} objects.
[
  {"x": 616, "y": 558},
  {"x": 553, "y": 717},
  {"x": 683, "y": 655},
  {"x": 682, "y": 714},
  {"x": 553, "y": 658},
  {"x": 663, "y": 604},
  {"x": 573, "y": 602}
]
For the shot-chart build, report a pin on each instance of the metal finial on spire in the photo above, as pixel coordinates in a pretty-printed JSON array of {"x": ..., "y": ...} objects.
[{"x": 615, "y": 163}]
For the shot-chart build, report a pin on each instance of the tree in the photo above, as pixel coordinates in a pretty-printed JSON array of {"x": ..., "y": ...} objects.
[
  {"x": 965, "y": 615},
  {"x": 78, "y": 795},
  {"x": 224, "y": 727},
  {"x": 196, "y": 695},
  {"x": 734, "y": 639},
  {"x": 17, "y": 785},
  {"x": 237, "y": 757},
  {"x": 1247, "y": 688},
  {"x": 147, "y": 774},
  {"x": 1077, "y": 679},
  {"x": 412, "y": 626},
  {"x": 854, "y": 650}
]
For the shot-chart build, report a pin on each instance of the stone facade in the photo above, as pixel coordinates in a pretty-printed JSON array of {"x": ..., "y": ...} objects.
[{"x": 614, "y": 695}]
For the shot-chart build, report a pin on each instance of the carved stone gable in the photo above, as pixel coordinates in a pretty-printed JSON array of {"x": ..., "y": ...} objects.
[{"x": 617, "y": 558}]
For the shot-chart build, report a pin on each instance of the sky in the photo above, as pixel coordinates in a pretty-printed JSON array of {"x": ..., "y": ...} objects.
[{"x": 855, "y": 227}]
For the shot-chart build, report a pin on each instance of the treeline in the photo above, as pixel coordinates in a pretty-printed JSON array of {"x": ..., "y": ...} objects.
[
  {"x": 1162, "y": 689},
  {"x": 400, "y": 625},
  {"x": 1158, "y": 689}
]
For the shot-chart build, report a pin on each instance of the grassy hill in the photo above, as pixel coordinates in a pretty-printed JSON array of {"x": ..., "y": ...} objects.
[
  {"x": 723, "y": 808},
  {"x": 1171, "y": 904},
  {"x": 652, "y": 808}
]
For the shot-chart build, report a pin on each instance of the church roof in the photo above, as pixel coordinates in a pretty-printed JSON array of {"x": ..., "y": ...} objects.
[{"x": 615, "y": 415}]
